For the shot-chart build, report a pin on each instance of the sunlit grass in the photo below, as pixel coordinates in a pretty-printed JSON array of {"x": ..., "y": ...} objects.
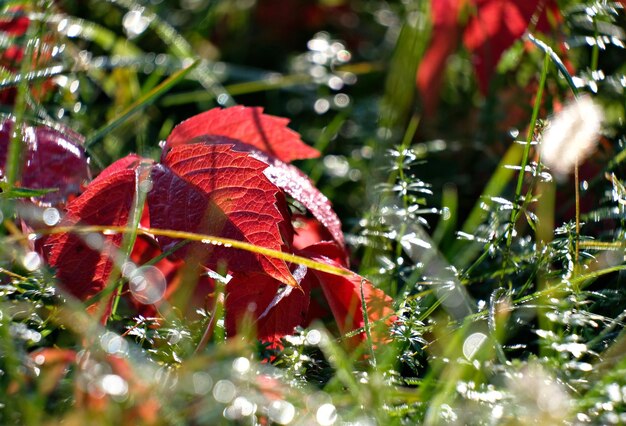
[{"x": 508, "y": 284}]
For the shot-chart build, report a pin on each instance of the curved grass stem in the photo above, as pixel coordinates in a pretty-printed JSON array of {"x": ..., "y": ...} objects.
[
  {"x": 202, "y": 238},
  {"x": 517, "y": 207}
]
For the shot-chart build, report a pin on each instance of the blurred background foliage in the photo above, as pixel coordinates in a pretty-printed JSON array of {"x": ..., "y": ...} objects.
[{"x": 425, "y": 198}]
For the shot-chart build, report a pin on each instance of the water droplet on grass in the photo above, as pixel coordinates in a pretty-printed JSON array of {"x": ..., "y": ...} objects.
[
  {"x": 241, "y": 407},
  {"x": 145, "y": 186},
  {"x": 313, "y": 337},
  {"x": 31, "y": 261},
  {"x": 135, "y": 23},
  {"x": 321, "y": 106},
  {"x": 341, "y": 100},
  {"x": 113, "y": 343},
  {"x": 224, "y": 391},
  {"x": 326, "y": 415},
  {"x": 202, "y": 383},
  {"x": 51, "y": 216},
  {"x": 241, "y": 365},
  {"x": 147, "y": 284},
  {"x": 281, "y": 412},
  {"x": 472, "y": 344},
  {"x": 114, "y": 385}
]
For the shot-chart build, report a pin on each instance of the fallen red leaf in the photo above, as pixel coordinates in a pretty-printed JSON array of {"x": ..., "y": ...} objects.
[
  {"x": 273, "y": 310},
  {"x": 308, "y": 231},
  {"x": 291, "y": 180},
  {"x": 83, "y": 270},
  {"x": 343, "y": 294},
  {"x": 52, "y": 159},
  {"x": 216, "y": 186},
  {"x": 220, "y": 191},
  {"x": 265, "y": 132},
  {"x": 55, "y": 160}
]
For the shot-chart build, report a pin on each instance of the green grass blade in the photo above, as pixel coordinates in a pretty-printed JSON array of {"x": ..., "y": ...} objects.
[
  {"x": 556, "y": 61},
  {"x": 140, "y": 104}
]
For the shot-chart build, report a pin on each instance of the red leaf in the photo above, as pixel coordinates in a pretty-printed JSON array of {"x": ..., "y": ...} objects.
[
  {"x": 53, "y": 159},
  {"x": 107, "y": 201},
  {"x": 295, "y": 183},
  {"x": 265, "y": 132},
  {"x": 496, "y": 25},
  {"x": 291, "y": 180},
  {"x": 5, "y": 137},
  {"x": 274, "y": 310},
  {"x": 491, "y": 29},
  {"x": 343, "y": 293},
  {"x": 220, "y": 191},
  {"x": 444, "y": 41},
  {"x": 308, "y": 231},
  {"x": 146, "y": 249},
  {"x": 16, "y": 25}
]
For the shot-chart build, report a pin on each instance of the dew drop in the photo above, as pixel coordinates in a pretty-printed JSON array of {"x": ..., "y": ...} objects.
[
  {"x": 51, "y": 216},
  {"x": 222, "y": 99},
  {"x": 344, "y": 56},
  {"x": 146, "y": 186},
  {"x": 472, "y": 344},
  {"x": 326, "y": 414},
  {"x": 335, "y": 83},
  {"x": 349, "y": 78},
  {"x": 202, "y": 383},
  {"x": 313, "y": 337},
  {"x": 174, "y": 336},
  {"x": 73, "y": 30},
  {"x": 31, "y": 261},
  {"x": 113, "y": 343},
  {"x": 147, "y": 284},
  {"x": 135, "y": 23},
  {"x": 74, "y": 86},
  {"x": 281, "y": 412},
  {"x": 341, "y": 100},
  {"x": 224, "y": 391},
  {"x": 114, "y": 385},
  {"x": 94, "y": 241},
  {"x": 445, "y": 213},
  {"x": 321, "y": 106},
  {"x": 241, "y": 407},
  {"x": 62, "y": 25},
  {"x": 128, "y": 268},
  {"x": 241, "y": 365}
]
